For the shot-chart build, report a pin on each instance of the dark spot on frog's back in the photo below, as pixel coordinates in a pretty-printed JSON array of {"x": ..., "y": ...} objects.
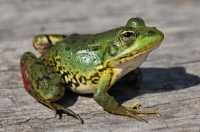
[
  {"x": 56, "y": 52},
  {"x": 95, "y": 35},
  {"x": 36, "y": 64},
  {"x": 91, "y": 42},
  {"x": 85, "y": 40},
  {"x": 73, "y": 41},
  {"x": 95, "y": 48},
  {"x": 67, "y": 48}
]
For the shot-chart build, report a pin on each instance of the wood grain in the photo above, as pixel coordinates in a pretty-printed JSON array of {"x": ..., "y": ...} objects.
[{"x": 171, "y": 82}]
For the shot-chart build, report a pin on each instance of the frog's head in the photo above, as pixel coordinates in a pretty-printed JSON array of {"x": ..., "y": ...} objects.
[{"x": 132, "y": 45}]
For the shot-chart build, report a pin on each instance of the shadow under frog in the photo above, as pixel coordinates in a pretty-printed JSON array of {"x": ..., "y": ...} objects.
[{"x": 154, "y": 80}]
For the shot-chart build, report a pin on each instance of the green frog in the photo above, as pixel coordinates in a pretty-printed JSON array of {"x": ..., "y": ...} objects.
[{"x": 89, "y": 63}]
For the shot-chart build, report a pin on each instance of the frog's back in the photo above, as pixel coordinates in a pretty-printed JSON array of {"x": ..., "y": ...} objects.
[
  {"x": 79, "y": 58},
  {"x": 80, "y": 53},
  {"x": 76, "y": 53}
]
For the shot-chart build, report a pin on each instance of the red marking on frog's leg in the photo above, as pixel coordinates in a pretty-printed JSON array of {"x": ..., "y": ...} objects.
[{"x": 27, "y": 85}]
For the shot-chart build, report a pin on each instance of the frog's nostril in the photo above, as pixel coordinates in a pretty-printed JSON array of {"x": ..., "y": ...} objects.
[{"x": 150, "y": 33}]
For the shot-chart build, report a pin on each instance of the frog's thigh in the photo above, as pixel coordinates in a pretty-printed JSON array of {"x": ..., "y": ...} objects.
[
  {"x": 46, "y": 41},
  {"x": 43, "y": 86},
  {"x": 108, "y": 103},
  {"x": 46, "y": 87}
]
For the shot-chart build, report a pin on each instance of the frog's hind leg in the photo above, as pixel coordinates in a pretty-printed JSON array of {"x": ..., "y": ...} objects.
[
  {"x": 46, "y": 41},
  {"x": 46, "y": 86}
]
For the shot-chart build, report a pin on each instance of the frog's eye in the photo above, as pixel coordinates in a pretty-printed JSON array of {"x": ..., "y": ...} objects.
[{"x": 128, "y": 36}]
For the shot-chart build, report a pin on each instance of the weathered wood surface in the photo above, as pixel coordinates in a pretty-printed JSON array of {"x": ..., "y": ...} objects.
[{"x": 170, "y": 74}]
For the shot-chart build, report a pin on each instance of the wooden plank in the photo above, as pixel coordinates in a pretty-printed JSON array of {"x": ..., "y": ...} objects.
[{"x": 171, "y": 82}]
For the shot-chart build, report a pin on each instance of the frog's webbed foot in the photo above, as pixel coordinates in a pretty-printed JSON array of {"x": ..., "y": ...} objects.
[
  {"x": 132, "y": 113},
  {"x": 56, "y": 107},
  {"x": 134, "y": 109}
]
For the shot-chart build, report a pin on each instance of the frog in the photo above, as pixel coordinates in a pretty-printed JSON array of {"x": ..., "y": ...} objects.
[{"x": 89, "y": 64}]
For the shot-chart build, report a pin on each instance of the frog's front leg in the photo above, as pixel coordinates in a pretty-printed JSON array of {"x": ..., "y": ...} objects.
[
  {"x": 46, "y": 86},
  {"x": 108, "y": 103}
]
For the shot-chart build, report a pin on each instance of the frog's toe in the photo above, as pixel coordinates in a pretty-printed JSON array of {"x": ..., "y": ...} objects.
[
  {"x": 55, "y": 113},
  {"x": 73, "y": 114},
  {"x": 140, "y": 119},
  {"x": 133, "y": 113},
  {"x": 146, "y": 111},
  {"x": 134, "y": 106},
  {"x": 137, "y": 105},
  {"x": 58, "y": 107}
]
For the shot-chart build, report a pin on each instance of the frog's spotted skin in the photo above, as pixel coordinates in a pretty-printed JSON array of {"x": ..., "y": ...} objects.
[
  {"x": 89, "y": 64},
  {"x": 75, "y": 81}
]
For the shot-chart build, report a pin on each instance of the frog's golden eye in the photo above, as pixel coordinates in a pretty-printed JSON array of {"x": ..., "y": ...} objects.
[{"x": 128, "y": 36}]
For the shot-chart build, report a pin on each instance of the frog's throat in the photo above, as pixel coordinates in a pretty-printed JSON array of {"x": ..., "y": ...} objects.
[{"x": 141, "y": 56}]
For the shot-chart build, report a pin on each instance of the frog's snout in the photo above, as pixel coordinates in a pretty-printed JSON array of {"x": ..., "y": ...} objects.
[{"x": 154, "y": 32}]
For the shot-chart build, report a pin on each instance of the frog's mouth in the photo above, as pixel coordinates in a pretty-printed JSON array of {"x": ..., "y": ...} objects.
[{"x": 131, "y": 60}]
